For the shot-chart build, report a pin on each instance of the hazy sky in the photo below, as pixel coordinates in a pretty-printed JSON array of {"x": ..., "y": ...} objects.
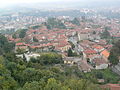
[
  {"x": 29, "y": 1},
  {"x": 9, "y": 2}
]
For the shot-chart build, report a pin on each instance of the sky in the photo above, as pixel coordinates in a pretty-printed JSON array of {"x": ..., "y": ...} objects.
[
  {"x": 4, "y": 3},
  {"x": 29, "y": 1},
  {"x": 10, "y": 2}
]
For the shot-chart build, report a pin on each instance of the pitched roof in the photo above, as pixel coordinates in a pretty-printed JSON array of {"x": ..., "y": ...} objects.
[
  {"x": 90, "y": 51},
  {"x": 19, "y": 44},
  {"x": 99, "y": 61},
  {"x": 105, "y": 53},
  {"x": 112, "y": 86},
  {"x": 98, "y": 47},
  {"x": 85, "y": 66}
]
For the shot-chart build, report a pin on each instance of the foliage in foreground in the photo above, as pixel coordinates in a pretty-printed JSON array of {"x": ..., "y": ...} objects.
[
  {"x": 115, "y": 53},
  {"x": 16, "y": 74}
]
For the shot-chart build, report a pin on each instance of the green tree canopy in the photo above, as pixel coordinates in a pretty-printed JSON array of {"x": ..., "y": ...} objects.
[
  {"x": 5, "y": 46},
  {"x": 115, "y": 53},
  {"x": 76, "y": 21},
  {"x": 50, "y": 58},
  {"x": 105, "y": 35},
  {"x": 54, "y": 23}
]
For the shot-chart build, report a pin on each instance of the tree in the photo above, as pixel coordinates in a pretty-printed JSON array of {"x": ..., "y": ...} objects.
[
  {"x": 35, "y": 39},
  {"x": 81, "y": 84},
  {"x": 5, "y": 46},
  {"x": 115, "y": 53},
  {"x": 29, "y": 74},
  {"x": 10, "y": 56},
  {"x": 107, "y": 28},
  {"x": 105, "y": 35},
  {"x": 73, "y": 46},
  {"x": 49, "y": 26},
  {"x": 99, "y": 75},
  {"x": 94, "y": 32},
  {"x": 70, "y": 53},
  {"x": 12, "y": 66},
  {"x": 53, "y": 84},
  {"x": 55, "y": 23},
  {"x": 20, "y": 51},
  {"x": 113, "y": 58},
  {"x": 22, "y": 33},
  {"x": 33, "y": 60},
  {"x": 14, "y": 36},
  {"x": 32, "y": 86},
  {"x": 6, "y": 81},
  {"x": 36, "y": 27},
  {"x": 76, "y": 21},
  {"x": 50, "y": 58},
  {"x": 32, "y": 74}
]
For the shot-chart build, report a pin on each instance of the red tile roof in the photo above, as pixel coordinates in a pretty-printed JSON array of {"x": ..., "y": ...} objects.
[
  {"x": 98, "y": 47},
  {"x": 90, "y": 51},
  {"x": 112, "y": 86},
  {"x": 19, "y": 44},
  {"x": 105, "y": 53}
]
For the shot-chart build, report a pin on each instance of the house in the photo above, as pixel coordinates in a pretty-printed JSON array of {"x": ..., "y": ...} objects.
[
  {"x": 100, "y": 63},
  {"x": 102, "y": 42},
  {"x": 71, "y": 60},
  {"x": 43, "y": 47},
  {"x": 111, "y": 86},
  {"x": 100, "y": 80},
  {"x": 63, "y": 46},
  {"x": 83, "y": 36},
  {"x": 84, "y": 66},
  {"x": 98, "y": 48},
  {"x": 91, "y": 57},
  {"x": 108, "y": 47},
  {"x": 21, "y": 46},
  {"x": 94, "y": 37},
  {"x": 28, "y": 56},
  {"x": 88, "y": 52},
  {"x": 105, "y": 54}
]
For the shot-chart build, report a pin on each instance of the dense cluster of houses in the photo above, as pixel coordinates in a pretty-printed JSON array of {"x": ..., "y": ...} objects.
[
  {"x": 95, "y": 55},
  {"x": 48, "y": 40},
  {"x": 94, "y": 49}
]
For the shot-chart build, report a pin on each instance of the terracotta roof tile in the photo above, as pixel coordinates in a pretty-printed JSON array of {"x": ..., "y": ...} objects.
[{"x": 105, "y": 53}]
